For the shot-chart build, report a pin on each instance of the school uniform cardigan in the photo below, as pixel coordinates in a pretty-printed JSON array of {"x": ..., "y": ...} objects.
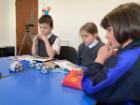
[{"x": 86, "y": 55}]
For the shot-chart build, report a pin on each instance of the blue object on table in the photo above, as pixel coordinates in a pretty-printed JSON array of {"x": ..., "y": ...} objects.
[
  {"x": 5, "y": 63},
  {"x": 38, "y": 66},
  {"x": 32, "y": 64},
  {"x": 44, "y": 70},
  {"x": 15, "y": 66},
  {"x": 33, "y": 88}
]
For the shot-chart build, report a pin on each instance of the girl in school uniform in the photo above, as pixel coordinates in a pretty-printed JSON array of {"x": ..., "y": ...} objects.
[{"x": 88, "y": 49}]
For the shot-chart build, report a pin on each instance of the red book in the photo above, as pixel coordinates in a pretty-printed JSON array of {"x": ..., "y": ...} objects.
[{"x": 73, "y": 79}]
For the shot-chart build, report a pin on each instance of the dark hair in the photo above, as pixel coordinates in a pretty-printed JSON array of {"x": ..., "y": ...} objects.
[
  {"x": 91, "y": 28},
  {"x": 125, "y": 20},
  {"x": 46, "y": 19}
]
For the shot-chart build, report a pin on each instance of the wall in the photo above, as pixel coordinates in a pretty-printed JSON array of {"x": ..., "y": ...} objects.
[
  {"x": 7, "y": 23},
  {"x": 12, "y": 22},
  {"x": 69, "y": 15},
  {"x": 4, "y": 23}
]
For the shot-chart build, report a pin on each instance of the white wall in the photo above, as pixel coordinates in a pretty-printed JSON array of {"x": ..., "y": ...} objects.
[
  {"x": 4, "y": 23},
  {"x": 69, "y": 15},
  {"x": 7, "y": 23},
  {"x": 12, "y": 22}
]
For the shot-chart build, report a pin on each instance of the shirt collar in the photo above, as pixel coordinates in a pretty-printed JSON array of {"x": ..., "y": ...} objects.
[
  {"x": 93, "y": 44},
  {"x": 48, "y": 36}
]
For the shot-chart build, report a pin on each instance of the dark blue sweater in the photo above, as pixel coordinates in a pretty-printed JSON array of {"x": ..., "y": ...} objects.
[
  {"x": 42, "y": 48},
  {"x": 117, "y": 82},
  {"x": 86, "y": 55}
]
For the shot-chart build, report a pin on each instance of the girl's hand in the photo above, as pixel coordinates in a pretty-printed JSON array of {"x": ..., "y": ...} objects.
[{"x": 104, "y": 53}]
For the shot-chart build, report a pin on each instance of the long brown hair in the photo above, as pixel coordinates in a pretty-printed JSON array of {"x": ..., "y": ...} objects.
[{"x": 91, "y": 28}]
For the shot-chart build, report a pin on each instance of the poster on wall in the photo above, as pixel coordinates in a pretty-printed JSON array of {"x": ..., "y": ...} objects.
[{"x": 44, "y": 6}]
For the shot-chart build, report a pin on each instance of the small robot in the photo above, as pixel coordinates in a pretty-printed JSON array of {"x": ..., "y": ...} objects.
[{"x": 15, "y": 66}]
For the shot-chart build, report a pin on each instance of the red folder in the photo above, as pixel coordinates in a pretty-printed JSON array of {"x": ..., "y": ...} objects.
[{"x": 73, "y": 79}]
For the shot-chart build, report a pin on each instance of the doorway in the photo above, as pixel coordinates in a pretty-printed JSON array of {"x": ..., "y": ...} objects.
[{"x": 26, "y": 24}]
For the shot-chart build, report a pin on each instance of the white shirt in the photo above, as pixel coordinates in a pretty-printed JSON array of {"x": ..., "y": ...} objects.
[
  {"x": 93, "y": 44},
  {"x": 56, "y": 44}
]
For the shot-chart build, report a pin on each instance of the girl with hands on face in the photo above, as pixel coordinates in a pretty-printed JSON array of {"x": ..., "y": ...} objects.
[{"x": 113, "y": 79}]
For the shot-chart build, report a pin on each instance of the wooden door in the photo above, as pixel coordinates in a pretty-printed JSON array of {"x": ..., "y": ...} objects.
[{"x": 26, "y": 24}]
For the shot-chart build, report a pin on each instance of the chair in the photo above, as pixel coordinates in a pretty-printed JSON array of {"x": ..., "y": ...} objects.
[
  {"x": 7, "y": 51},
  {"x": 68, "y": 53}
]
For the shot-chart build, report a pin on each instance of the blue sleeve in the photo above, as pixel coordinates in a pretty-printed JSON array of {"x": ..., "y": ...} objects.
[
  {"x": 98, "y": 80},
  {"x": 92, "y": 76}
]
